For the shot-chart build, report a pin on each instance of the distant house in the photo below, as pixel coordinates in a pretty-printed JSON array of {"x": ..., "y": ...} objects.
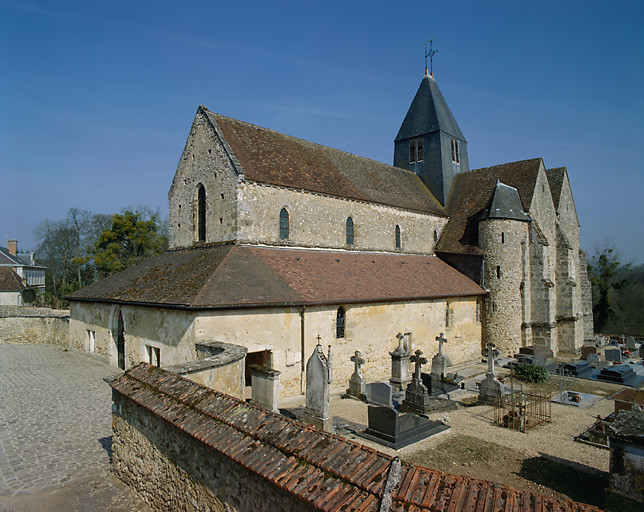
[
  {"x": 13, "y": 291},
  {"x": 24, "y": 265}
]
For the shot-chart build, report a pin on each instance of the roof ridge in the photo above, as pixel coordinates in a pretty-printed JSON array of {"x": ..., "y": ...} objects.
[
  {"x": 500, "y": 165},
  {"x": 299, "y": 139}
]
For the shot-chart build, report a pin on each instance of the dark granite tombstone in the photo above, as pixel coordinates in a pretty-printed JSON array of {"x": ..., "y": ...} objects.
[
  {"x": 536, "y": 350},
  {"x": 435, "y": 387},
  {"x": 380, "y": 393},
  {"x": 613, "y": 354},
  {"x": 621, "y": 374},
  {"x": 593, "y": 358},
  {"x": 586, "y": 350},
  {"x": 630, "y": 343},
  {"x": 579, "y": 369},
  {"x": 395, "y": 430}
]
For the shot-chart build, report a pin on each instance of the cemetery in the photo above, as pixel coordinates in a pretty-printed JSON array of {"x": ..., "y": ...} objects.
[{"x": 430, "y": 408}]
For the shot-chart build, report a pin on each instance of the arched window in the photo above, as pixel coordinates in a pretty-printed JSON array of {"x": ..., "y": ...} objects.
[
  {"x": 199, "y": 214},
  {"x": 397, "y": 236},
  {"x": 284, "y": 228},
  {"x": 339, "y": 324},
  {"x": 447, "y": 312},
  {"x": 349, "y": 231}
]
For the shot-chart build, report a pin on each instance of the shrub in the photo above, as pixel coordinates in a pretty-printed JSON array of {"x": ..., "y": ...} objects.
[{"x": 530, "y": 373}]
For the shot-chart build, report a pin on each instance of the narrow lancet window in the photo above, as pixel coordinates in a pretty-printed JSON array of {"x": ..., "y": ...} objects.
[
  {"x": 349, "y": 231},
  {"x": 340, "y": 321},
  {"x": 398, "y": 244},
  {"x": 284, "y": 224}
]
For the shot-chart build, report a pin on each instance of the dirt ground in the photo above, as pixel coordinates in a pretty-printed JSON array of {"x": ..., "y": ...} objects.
[{"x": 545, "y": 460}]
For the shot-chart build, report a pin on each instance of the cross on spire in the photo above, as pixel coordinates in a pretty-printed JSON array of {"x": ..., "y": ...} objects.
[{"x": 430, "y": 54}]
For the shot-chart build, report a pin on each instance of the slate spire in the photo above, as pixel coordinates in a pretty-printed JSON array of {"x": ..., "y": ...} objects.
[{"x": 429, "y": 141}]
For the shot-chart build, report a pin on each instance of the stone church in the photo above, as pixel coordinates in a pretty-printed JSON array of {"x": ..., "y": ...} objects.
[{"x": 277, "y": 242}]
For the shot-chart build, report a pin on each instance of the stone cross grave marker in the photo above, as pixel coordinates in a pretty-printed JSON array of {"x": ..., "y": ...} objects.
[
  {"x": 357, "y": 385},
  {"x": 439, "y": 361},
  {"x": 417, "y": 395},
  {"x": 318, "y": 379},
  {"x": 490, "y": 352},
  {"x": 490, "y": 388},
  {"x": 399, "y": 365}
]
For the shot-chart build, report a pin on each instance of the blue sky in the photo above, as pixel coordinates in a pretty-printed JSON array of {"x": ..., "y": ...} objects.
[{"x": 96, "y": 99}]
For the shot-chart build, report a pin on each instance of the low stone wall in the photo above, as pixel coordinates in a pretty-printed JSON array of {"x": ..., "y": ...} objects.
[{"x": 21, "y": 324}]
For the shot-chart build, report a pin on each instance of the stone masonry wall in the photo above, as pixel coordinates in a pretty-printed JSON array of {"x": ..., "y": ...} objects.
[
  {"x": 204, "y": 161},
  {"x": 503, "y": 242},
  {"x": 20, "y": 324},
  {"x": 317, "y": 220},
  {"x": 173, "y": 471}
]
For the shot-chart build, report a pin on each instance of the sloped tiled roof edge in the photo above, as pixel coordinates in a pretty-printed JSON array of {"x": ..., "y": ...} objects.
[
  {"x": 237, "y": 276},
  {"x": 10, "y": 281},
  {"x": 271, "y": 157},
  {"x": 322, "y": 469}
]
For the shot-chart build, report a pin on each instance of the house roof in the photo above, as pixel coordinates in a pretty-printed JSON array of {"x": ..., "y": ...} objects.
[
  {"x": 19, "y": 260},
  {"x": 223, "y": 276},
  {"x": 10, "y": 281},
  {"x": 470, "y": 196},
  {"x": 428, "y": 113},
  {"x": 555, "y": 180},
  {"x": 267, "y": 156},
  {"x": 320, "y": 469}
]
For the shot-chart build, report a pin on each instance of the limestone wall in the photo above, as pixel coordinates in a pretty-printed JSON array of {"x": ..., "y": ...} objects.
[
  {"x": 159, "y": 461},
  {"x": 204, "y": 161},
  {"x": 10, "y": 298},
  {"x": 21, "y": 324},
  {"x": 503, "y": 268},
  {"x": 320, "y": 221}
]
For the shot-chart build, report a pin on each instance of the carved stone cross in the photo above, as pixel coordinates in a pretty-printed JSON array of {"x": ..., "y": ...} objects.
[
  {"x": 440, "y": 340},
  {"x": 357, "y": 362},
  {"x": 491, "y": 354},
  {"x": 419, "y": 360},
  {"x": 400, "y": 340}
]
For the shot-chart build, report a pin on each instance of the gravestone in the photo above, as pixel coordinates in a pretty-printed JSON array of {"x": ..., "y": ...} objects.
[
  {"x": 357, "y": 386},
  {"x": 265, "y": 387},
  {"x": 586, "y": 350},
  {"x": 593, "y": 358},
  {"x": 380, "y": 393},
  {"x": 440, "y": 362},
  {"x": 613, "y": 355},
  {"x": 400, "y": 364},
  {"x": 490, "y": 388},
  {"x": 416, "y": 396},
  {"x": 318, "y": 379},
  {"x": 536, "y": 350},
  {"x": 630, "y": 343},
  {"x": 579, "y": 369},
  {"x": 395, "y": 430},
  {"x": 621, "y": 374}
]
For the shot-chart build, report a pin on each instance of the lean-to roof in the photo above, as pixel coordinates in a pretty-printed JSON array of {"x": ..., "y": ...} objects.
[
  {"x": 471, "y": 195},
  {"x": 238, "y": 276},
  {"x": 267, "y": 156}
]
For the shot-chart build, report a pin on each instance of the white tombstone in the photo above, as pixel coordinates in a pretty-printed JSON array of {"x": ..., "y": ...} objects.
[{"x": 318, "y": 379}]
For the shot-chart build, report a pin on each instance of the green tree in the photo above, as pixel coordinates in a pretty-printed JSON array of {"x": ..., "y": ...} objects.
[
  {"x": 132, "y": 237},
  {"x": 606, "y": 274}
]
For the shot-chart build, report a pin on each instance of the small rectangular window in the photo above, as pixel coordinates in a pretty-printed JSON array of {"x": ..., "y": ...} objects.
[
  {"x": 419, "y": 150},
  {"x": 498, "y": 272},
  {"x": 154, "y": 355}
]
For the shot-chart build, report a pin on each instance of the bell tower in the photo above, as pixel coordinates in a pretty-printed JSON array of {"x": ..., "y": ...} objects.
[{"x": 429, "y": 141}]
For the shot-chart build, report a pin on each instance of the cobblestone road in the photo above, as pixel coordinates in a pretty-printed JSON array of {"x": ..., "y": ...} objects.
[{"x": 55, "y": 419}]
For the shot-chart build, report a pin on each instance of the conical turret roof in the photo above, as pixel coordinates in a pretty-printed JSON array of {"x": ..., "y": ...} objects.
[{"x": 428, "y": 113}]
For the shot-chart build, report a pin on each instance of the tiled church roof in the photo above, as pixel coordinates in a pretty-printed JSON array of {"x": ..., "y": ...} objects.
[
  {"x": 470, "y": 196},
  {"x": 267, "y": 156},
  {"x": 230, "y": 275},
  {"x": 325, "y": 471},
  {"x": 555, "y": 180}
]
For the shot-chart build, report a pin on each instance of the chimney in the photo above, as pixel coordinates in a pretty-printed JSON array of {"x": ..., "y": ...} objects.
[{"x": 12, "y": 245}]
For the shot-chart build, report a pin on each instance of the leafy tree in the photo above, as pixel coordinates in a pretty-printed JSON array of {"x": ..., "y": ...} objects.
[
  {"x": 132, "y": 237},
  {"x": 606, "y": 274}
]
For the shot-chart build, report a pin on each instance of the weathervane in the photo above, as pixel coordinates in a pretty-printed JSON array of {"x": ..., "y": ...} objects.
[{"x": 430, "y": 54}]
